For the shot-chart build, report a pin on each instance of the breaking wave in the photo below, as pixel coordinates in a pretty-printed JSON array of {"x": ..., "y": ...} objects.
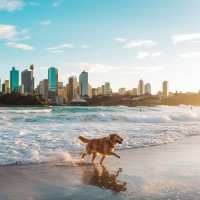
[
  {"x": 36, "y": 135},
  {"x": 25, "y": 111}
]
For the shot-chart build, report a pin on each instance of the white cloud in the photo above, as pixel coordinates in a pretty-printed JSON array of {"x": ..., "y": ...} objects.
[
  {"x": 105, "y": 68},
  {"x": 11, "y": 5},
  {"x": 185, "y": 37},
  {"x": 10, "y": 32},
  {"x": 57, "y": 51},
  {"x": 45, "y": 22},
  {"x": 139, "y": 43},
  {"x": 156, "y": 54},
  {"x": 7, "y": 31},
  {"x": 85, "y": 46},
  {"x": 190, "y": 55},
  {"x": 144, "y": 54},
  {"x": 97, "y": 68},
  {"x": 120, "y": 40},
  {"x": 20, "y": 46},
  {"x": 23, "y": 34},
  {"x": 60, "y": 48},
  {"x": 148, "y": 68},
  {"x": 134, "y": 43}
]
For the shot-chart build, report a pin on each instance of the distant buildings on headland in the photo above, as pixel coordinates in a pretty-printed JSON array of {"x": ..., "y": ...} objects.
[{"x": 76, "y": 90}]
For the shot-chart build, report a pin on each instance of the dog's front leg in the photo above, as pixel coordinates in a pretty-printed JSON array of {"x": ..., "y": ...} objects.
[{"x": 114, "y": 154}]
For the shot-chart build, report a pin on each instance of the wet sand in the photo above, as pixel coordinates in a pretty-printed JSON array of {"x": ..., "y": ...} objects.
[{"x": 164, "y": 172}]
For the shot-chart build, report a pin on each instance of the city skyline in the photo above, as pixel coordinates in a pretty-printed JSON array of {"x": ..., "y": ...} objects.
[
  {"x": 121, "y": 42},
  {"x": 73, "y": 89}
]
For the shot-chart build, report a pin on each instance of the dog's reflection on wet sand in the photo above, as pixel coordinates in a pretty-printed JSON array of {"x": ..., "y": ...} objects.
[{"x": 99, "y": 176}]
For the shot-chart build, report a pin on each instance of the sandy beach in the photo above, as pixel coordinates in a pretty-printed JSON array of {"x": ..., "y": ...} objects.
[{"x": 170, "y": 171}]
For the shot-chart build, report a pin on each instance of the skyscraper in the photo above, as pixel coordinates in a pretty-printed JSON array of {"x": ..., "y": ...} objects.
[
  {"x": 107, "y": 89},
  {"x": 5, "y": 87},
  {"x": 147, "y": 89},
  {"x": 27, "y": 81},
  {"x": 43, "y": 88},
  {"x": 141, "y": 87},
  {"x": 53, "y": 79},
  {"x": 165, "y": 88},
  {"x": 72, "y": 88},
  {"x": 122, "y": 91},
  {"x": 62, "y": 93},
  {"x": 83, "y": 84},
  {"x": 14, "y": 80}
]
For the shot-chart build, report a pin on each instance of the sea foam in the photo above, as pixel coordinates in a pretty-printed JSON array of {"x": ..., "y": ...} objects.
[{"x": 35, "y": 135}]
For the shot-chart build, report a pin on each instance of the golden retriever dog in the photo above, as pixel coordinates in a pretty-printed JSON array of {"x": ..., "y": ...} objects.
[{"x": 104, "y": 146}]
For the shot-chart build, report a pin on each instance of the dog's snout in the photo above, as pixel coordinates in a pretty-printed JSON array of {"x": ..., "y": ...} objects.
[{"x": 120, "y": 141}]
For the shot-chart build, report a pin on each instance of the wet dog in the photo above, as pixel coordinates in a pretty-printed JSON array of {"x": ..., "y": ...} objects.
[{"x": 104, "y": 146}]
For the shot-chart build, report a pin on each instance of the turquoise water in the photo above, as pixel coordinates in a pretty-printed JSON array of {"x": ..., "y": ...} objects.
[{"x": 41, "y": 134}]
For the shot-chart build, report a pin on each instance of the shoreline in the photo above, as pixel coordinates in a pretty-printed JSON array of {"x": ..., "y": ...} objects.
[
  {"x": 190, "y": 99},
  {"x": 168, "y": 171}
]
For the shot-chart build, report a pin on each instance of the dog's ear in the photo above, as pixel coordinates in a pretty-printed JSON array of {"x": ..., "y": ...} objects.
[{"x": 112, "y": 136}]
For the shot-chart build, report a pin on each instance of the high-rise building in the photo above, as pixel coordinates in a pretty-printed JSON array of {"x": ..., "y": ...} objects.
[
  {"x": 53, "y": 79},
  {"x": 62, "y": 93},
  {"x": 72, "y": 88},
  {"x": 141, "y": 87},
  {"x": 99, "y": 91},
  {"x": 43, "y": 88},
  {"x": 27, "y": 81},
  {"x": 107, "y": 89},
  {"x": 135, "y": 91},
  {"x": 147, "y": 89},
  {"x": 83, "y": 84},
  {"x": 122, "y": 91},
  {"x": 165, "y": 88},
  {"x": 14, "y": 80},
  {"x": 94, "y": 92},
  {"x": 5, "y": 87},
  {"x": 89, "y": 90}
]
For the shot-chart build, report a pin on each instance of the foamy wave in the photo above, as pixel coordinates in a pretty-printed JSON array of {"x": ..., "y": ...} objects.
[
  {"x": 29, "y": 137},
  {"x": 59, "y": 157},
  {"x": 137, "y": 118},
  {"x": 25, "y": 111}
]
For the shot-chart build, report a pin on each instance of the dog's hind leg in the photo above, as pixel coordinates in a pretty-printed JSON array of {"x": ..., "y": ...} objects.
[
  {"x": 93, "y": 157},
  {"x": 83, "y": 155},
  {"x": 102, "y": 159}
]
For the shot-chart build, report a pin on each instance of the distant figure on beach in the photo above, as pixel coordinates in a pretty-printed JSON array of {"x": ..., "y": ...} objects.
[
  {"x": 104, "y": 146},
  {"x": 102, "y": 178}
]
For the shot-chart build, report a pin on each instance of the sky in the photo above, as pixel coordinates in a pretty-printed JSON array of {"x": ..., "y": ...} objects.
[{"x": 119, "y": 41}]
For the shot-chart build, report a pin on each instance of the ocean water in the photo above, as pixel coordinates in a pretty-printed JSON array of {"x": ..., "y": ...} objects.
[{"x": 32, "y": 135}]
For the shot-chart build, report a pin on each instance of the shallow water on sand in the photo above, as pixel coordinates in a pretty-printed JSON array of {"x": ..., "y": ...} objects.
[{"x": 31, "y": 135}]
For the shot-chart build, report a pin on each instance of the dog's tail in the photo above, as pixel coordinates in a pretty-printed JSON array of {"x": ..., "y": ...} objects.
[{"x": 83, "y": 139}]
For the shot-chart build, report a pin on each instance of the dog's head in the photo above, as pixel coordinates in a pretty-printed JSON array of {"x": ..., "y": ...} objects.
[{"x": 115, "y": 138}]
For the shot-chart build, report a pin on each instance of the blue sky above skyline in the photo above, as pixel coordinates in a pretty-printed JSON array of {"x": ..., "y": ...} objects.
[{"x": 117, "y": 41}]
